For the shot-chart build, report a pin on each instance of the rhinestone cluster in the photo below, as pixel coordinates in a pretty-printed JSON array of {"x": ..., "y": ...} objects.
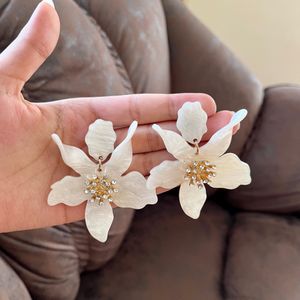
[
  {"x": 199, "y": 172},
  {"x": 101, "y": 188}
]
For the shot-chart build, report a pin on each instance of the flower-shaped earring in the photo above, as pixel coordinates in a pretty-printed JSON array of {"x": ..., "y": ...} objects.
[
  {"x": 101, "y": 184},
  {"x": 195, "y": 165}
]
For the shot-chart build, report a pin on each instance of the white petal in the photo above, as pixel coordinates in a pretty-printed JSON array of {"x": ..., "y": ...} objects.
[
  {"x": 75, "y": 158},
  {"x": 121, "y": 157},
  {"x": 220, "y": 141},
  {"x": 192, "y": 199},
  {"x": 100, "y": 139},
  {"x": 230, "y": 172},
  {"x": 133, "y": 192},
  {"x": 191, "y": 121},
  {"x": 69, "y": 190},
  {"x": 98, "y": 219},
  {"x": 175, "y": 143},
  {"x": 168, "y": 175}
]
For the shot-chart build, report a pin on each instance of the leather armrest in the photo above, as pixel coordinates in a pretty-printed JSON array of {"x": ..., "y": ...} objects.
[{"x": 273, "y": 153}]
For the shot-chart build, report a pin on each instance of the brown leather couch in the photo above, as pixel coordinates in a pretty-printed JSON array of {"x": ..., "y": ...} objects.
[{"x": 246, "y": 244}]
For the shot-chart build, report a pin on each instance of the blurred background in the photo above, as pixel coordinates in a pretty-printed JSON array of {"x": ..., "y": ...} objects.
[{"x": 264, "y": 34}]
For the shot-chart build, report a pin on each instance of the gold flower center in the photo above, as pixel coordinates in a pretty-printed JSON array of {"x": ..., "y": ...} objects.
[
  {"x": 101, "y": 188},
  {"x": 199, "y": 172}
]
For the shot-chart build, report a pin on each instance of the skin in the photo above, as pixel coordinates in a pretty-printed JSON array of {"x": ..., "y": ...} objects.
[{"x": 30, "y": 161}]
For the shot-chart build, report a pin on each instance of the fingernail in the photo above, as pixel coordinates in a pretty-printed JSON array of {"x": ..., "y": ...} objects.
[{"x": 50, "y": 2}]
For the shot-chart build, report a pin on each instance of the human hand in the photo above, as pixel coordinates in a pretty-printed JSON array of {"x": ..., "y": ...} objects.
[{"x": 30, "y": 161}]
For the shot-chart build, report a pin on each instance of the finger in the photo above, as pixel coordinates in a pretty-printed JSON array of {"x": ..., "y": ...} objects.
[
  {"x": 236, "y": 128},
  {"x": 152, "y": 108},
  {"x": 144, "y": 108},
  {"x": 160, "y": 190},
  {"x": 218, "y": 121},
  {"x": 146, "y": 139},
  {"x": 33, "y": 45},
  {"x": 144, "y": 162}
]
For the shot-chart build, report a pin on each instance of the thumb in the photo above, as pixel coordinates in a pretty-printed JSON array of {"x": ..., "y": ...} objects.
[{"x": 32, "y": 46}]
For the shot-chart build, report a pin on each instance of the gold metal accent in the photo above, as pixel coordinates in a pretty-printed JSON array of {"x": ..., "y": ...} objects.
[
  {"x": 101, "y": 188},
  {"x": 199, "y": 172},
  {"x": 100, "y": 160}
]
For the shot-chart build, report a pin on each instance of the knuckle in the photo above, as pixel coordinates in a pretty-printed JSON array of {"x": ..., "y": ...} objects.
[
  {"x": 147, "y": 163},
  {"x": 133, "y": 108},
  {"x": 42, "y": 49},
  {"x": 172, "y": 108},
  {"x": 152, "y": 140}
]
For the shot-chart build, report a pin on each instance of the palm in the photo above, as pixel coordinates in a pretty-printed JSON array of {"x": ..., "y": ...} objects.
[{"x": 30, "y": 161}]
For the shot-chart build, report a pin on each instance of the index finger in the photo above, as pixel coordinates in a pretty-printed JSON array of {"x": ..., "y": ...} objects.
[{"x": 147, "y": 108}]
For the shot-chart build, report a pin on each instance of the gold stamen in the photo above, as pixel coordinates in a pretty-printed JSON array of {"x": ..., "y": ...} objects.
[
  {"x": 101, "y": 188},
  {"x": 199, "y": 172}
]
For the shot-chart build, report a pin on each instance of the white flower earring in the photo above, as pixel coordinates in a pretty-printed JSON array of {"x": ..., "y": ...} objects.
[
  {"x": 195, "y": 165},
  {"x": 101, "y": 184}
]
